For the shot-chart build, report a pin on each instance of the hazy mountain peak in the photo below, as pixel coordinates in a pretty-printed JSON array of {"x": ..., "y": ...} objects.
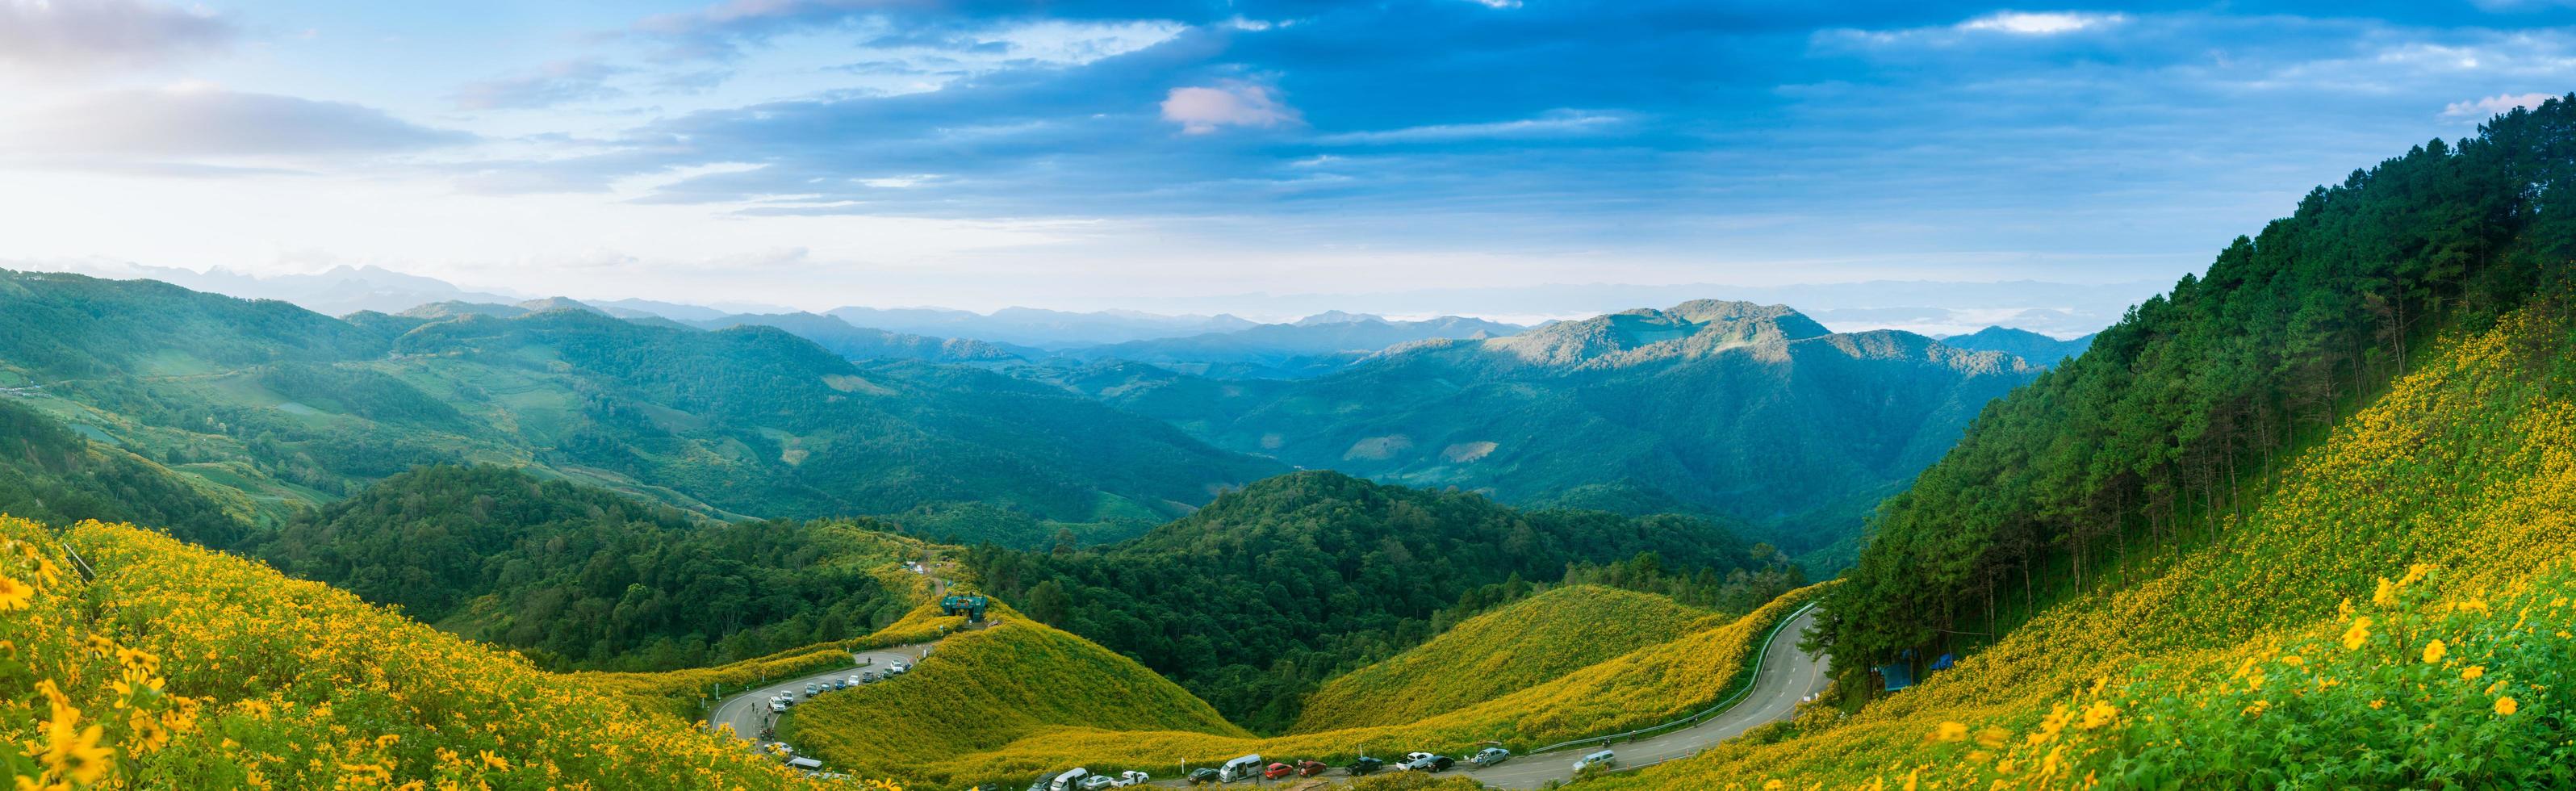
[
  {"x": 1691, "y": 329},
  {"x": 2038, "y": 349},
  {"x": 1337, "y": 317},
  {"x": 559, "y": 303}
]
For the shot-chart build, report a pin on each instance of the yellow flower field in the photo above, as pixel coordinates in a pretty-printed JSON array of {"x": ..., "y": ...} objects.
[
  {"x": 183, "y": 668},
  {"x": 2299, "y": 645}
]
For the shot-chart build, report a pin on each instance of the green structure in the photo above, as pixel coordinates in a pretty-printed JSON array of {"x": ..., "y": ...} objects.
[{"x": 970, "y": 605}]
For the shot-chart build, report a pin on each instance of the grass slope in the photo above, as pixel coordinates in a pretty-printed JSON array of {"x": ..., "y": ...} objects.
[
  {"x": 984, "y": 689},
  {"x": 2294, "y": 646},
  {"x": 1521, "y": 645},
  {"x": 183, "y": 668},
  {"x": 1654, "y": 684}
]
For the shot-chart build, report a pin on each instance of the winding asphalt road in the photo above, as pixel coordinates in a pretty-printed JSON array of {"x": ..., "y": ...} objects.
[
  {"x": 749, "y": 712},
  {"x": 1787, "y": 675}
]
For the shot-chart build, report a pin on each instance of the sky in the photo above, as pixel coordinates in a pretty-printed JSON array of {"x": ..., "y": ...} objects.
[{"x": 1180, "y": 154}]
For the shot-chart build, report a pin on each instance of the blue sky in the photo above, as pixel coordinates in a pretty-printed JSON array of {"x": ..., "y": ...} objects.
[{"x": 1079, "y": 154}]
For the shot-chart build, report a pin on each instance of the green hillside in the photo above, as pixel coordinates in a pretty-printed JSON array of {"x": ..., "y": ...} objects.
[
  {"x": 983, "y": 689},
  {"x": 1267, "y": 592},
  {"x": 1752, "y": 412},
  {"x": 2363, "y": 624},
  {"x": 293, "y": 408},
  {"x": 2185, "y": 407},
  {"x": 1521, "y": 645},
  {"x": 577, "y": 576}
]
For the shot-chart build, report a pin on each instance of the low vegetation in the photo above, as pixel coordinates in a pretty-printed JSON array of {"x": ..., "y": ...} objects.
[
  {"x": 1521, "y": 645},
  {"x": 982, "y": 690},
  {"x": 1651, "y": 685},
  {"x": 182, "y": 668},
  {"x": 2394, "y": 612},
  {"x": 1255, "y": 600}
]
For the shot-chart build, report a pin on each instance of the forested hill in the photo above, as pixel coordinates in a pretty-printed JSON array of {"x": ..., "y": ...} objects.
[
  {"x": 2197, "y": 394},
  {"x": 286, "y": 406},
  {"x": 1754, "y": 412},
  {"x": 582, "y": 577},
  {"x": 1259, "y": 597}
]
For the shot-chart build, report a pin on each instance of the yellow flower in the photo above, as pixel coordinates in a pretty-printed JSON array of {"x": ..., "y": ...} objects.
[
  {"x": 494, "y": 761},
  {"x": 15, "y": 595},
  {"x": 2472, "y": 672},
  {"x": 2380, "y": 703},
  {"x": 2433, "y": 652},
  {"x": 2505, "y": 706},
  {"x": 2354, "y": 637},
  {"x": 2099, "y": 714},
  {"x": 76, "y": 755},
  {"x": 2386, "y": 595},
  {"x": 1992, "y": 736},
  {"x": 1950, "y": 732}
]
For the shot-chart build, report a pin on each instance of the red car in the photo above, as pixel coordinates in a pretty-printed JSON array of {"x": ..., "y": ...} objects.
[
  {"x": 1276, "y": 771},
  {"x": 1310, "y": 768}
]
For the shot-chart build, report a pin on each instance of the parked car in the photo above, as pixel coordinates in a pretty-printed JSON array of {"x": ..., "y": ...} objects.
[
  {"x": 1071, "y": 780},
  {"x": 810, "y": 690},
  {"x": 1203, "y": 776},
  {"x": 855, "y": 681},
  {"x": 1096, "y": 782},
  {"x": 1364, "y": 765},
  {"x": 777, "y": 705},
  {"x": 869, "y": 677},
  {"x": 1490, "y": 756},
  {"x": 1131, "y": 777},
  {"x": 1243, "y": 768},
  {"x": 1310, "y": 768},
  {"x": 1604, "y": 759},
  {"x": 1426, "y": 763},
  {"x": 1276, "y": 771},
  {"x": 840, "y": 683},
  {"x": 893, "y": 668}
]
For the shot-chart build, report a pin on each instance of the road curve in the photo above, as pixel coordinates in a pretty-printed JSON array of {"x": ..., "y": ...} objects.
[
  {"x": 748, "y": 712},
  {"x": 1787, "y": 675}
]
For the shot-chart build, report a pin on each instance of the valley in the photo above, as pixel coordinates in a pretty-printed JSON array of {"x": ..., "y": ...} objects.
[{"x": 2300, "y": 521}]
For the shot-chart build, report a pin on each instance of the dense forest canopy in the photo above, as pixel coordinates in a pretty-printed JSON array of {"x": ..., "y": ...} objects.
[
  {"x": 1258, "y": 598},
  {"x": 2195, "y": 394},
  {"x": 581, "y": 577}
]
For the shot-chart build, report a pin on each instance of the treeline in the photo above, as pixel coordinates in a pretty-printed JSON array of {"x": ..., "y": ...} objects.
[
  {"x": 578, "y": 577},
  {"x": 2196, "y": 394},
  {"x": 1258, "y": 598}
]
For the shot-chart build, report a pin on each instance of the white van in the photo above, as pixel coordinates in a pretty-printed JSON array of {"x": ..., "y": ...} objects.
[
  {"x": 1068, "y": 780},
  {"x": 1244, "y": 768}
]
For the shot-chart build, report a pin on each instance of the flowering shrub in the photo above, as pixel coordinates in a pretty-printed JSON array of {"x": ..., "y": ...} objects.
[
  {"x": 183, "y": 668},
  {"x": 2296, "y": 647}
]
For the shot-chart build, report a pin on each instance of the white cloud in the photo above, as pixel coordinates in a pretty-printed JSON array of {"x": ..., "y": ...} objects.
[
  {"x": 1201, "y": 110},
  {"x": 554, "y": 83},
  {"x": 2493, "y": 105},
  {"x": 197, "y": 119},
  {"x": 51, "y": 36},
  {"x": 2047, "y": 23},
  {"x": 1554, "y": 123}
]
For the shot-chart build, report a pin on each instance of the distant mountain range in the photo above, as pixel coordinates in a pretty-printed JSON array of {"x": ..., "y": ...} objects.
[
  {"x": 2040, "y": 350},
  {"x": 1312, "y": 346},
  {"x": 1750, "y": 411},
  {"x": 279, "y": 405}
]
